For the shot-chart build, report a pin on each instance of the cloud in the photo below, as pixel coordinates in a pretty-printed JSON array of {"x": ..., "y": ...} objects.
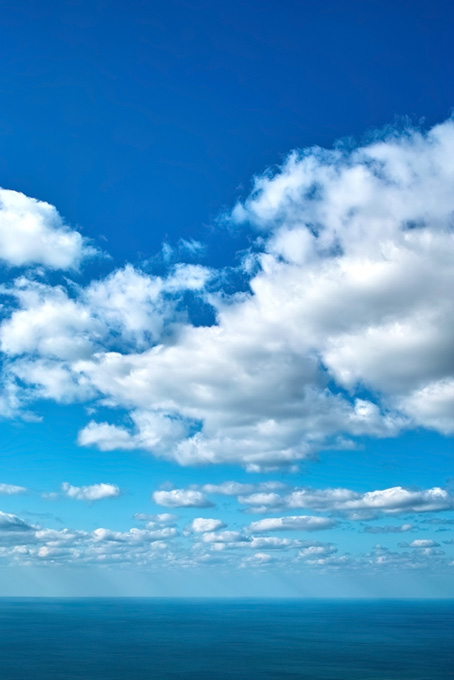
[
  {"x": 93, "y": 492},
  {"x": 342, "y": 328},
  {"x": 154, "y": 547},
  {"x": 293, "y": 523},
  {"x": 182, "y": 498},
  {"x": 389, "y": 529},
  {"x": 134, "y": 535},
  {"x": 201, "y": 525},
  {"x": 33, "y": 233},
  {"x": 355, "y": 505},
  {"x": 273, "y": 543},
  {"x": 224, "y": 537},
  {"x": 360, "y": 243},
  {"x": 10, "y": 489},
  {"x": 313, "y": 552},
  {"x": 258, "y": 560},
  {"x": 420, "y": 543},
  {"x": 237, "y": 488},
  {"x": 12, "y": 523},
  {"x": 395, "y": 500},
  {"x": 162, "y": 518}
]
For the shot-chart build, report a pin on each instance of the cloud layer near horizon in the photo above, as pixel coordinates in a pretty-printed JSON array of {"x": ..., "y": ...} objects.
[{"x": 345, "y": 327}]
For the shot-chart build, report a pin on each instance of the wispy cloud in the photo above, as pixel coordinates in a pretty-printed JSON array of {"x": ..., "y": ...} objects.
[{"x": 11, "y": 489}]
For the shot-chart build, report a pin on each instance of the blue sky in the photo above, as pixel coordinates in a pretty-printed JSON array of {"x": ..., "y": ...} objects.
[{"x": 226, "y": 263}]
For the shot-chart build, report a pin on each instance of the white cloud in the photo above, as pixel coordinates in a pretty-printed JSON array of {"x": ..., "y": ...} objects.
[
  {"x": 420, "y": 543},
  {"x": 155, "y": 431},
  {"x": 316, "y": 551},
  {"x": 345, "y": 329},
  {"x": 293, "y": 523},
  {"x": 47, "y": 323},
  {"x": 237, "y": 488},
  {"x": 259, "y": 559},
  {"x": 366, "y": 243},
  {"x": 390, "y": 501},
  {"x": 154, "y": 547},
  {"x": 182, "y": 498},
  {"x": 93, "y": 492},
  {"x": 223, "y": 537},
  {"x": 432, "y": 405},
  {"x": 32, "y": 232},
  {"x": 10, "y": 489},
  {"x": 201, "y": 524},
  {"x": 134, "y": 535},
  {"x": 272, "y": 543},
  {"x": 355, "y": 505}
]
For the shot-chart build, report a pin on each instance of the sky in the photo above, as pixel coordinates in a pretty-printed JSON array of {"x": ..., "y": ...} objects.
[{"x": 226, "y": 274}]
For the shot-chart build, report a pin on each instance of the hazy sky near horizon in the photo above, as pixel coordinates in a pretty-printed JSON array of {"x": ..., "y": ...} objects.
[{"x": 226, "y": 275}]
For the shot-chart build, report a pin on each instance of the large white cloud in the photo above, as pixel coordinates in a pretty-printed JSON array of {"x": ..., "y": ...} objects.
[
  {"x": 345, "y": 330},
  {"x": 33, "y": 233}
]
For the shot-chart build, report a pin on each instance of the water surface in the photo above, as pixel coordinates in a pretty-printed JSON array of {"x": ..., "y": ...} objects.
[{"x": 160, "y": 639}]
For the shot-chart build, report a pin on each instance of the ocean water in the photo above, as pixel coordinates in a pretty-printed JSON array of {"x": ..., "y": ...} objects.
[{"x": 160, "y": 639}]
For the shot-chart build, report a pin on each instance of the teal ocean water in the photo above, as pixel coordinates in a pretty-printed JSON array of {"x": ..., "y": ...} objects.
[{"x": 145, "y": 639}]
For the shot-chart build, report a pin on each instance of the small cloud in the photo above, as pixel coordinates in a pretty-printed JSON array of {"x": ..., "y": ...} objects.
[
  {"x": 388, "y": 529},
  {"x": 420, "y": 543},
  {"x": 293, "y": 523},
  {"x": 182, "y": 498},
  {"x": 93, "y": 492},
  {"x": 11, "y": 489},
  {"x": 201, "y": 525},
  {"x": 160, "y": 518}
]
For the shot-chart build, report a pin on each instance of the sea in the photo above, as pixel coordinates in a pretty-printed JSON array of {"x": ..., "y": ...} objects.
[{"x": 163, "y": 639}]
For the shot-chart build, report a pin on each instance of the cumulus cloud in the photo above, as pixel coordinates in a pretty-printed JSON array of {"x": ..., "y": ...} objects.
[
  {"x": 355, "y": 505},
  {"x": 343, "y": 329},
  {"x": 33, "y": 233},
  {"x": 155, "y": 545},
  {"x": 201, "y": 525},
  {"x": 224, "y": 537},
  {"x": 358, "y": 253},
  {"x": 182, "y": 498},
  {"x": 313, "y": 552},
  {"x": 93, "y": 492},
  {"x": 359, "y": 235}
]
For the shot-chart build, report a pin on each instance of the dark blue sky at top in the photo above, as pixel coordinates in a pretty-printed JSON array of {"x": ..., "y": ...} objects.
[{"x": 140, "y": 121}]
